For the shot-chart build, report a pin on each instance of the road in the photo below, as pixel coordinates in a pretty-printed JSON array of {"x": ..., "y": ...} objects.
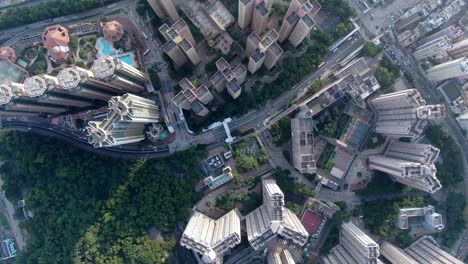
[{"x": 14, "y": 225}]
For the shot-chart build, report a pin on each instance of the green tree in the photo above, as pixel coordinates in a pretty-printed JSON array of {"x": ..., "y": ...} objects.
[
  {"x": 371, "y": 50},
  {"x": 246, "y": 164}
]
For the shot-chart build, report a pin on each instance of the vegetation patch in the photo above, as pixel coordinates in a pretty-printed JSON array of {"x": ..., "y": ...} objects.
[
  {"x": 249, "y": 155},
  {"x": 94, "y": 209},
  {"x": 281, "y": 131},
  {"x": 451, "y": 170}
]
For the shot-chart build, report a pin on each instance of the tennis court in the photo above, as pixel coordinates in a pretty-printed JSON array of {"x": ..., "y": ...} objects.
[{"x": 311, "y": 221}]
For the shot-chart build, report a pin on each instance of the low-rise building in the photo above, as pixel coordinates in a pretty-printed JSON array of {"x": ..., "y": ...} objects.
[
  {"x": 8, "y": 249},
  {"x": 55, "y": 39},
  {"x": 453, "y": 96},
  {"x": 425, "y": 216},
  {"x": 302, "y": 137},
  {"x": 216, "y": 171}
]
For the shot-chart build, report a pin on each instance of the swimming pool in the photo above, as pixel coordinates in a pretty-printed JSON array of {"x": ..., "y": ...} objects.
[
  {"x": 127, "y": 59},
  {"x": 106, "y": 48}
]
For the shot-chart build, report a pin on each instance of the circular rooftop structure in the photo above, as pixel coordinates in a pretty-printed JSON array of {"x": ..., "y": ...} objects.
[
  {"x": 7, "y": 53},
  {"x": 35, "y": 86},
  {"x": 104, "y": 67},
  {"x": 113, "y": 31},
  {"x": 55, "y": 39},
  {"x": 6, "y": 94},
  {"x": 69, "y": 78}
]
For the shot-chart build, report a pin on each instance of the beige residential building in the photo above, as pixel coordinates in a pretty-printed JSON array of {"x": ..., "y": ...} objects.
[
  {"x": 212, "y": 238},
  {"x": 280, "y": 256},
  {"x": 125, "y": 123},
  {"x": 273, "y": 219},
  {"x": 81, "y": 82},
  {"x": 245, "y": 11},
  {"x": 298, "y": 22},
  {"x": 434, "y": 49},
  {"x": 411, "y": 164},
  {"x": 46, "y": 89},
  {"x": 394, "y": 255},
  {"x": 263, "y": 51},
  {"x": 228, "y": 77},
  {"x": 424, "y": 250},
  {"x": 404, "y": 113},
  {"x": 165, "y": 8},
  {"x": 255, "y": 13},
  {"x": 180, "y": 44},
  {"x": 457, "y": 68},
  {"x": 13, "y": 98},
  {"x": 193, "y": 98},
  {"x": 119, "y": 74},
  {"x": 355, "y": 247},
  {"x": 260, "y": 17}
]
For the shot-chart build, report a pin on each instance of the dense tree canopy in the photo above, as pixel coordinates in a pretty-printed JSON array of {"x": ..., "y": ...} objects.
[
  {"x": 371, "y": 50},
  {"x": 92, "y": 209},
  {"x": 14, "y": 17},
  {"x": 450, "y": 171}
]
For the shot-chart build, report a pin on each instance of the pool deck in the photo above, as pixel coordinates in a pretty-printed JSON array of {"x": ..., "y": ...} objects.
[{"x": 117, "y": 53}]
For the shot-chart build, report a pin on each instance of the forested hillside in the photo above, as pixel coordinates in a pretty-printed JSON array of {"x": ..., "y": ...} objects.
[{"x": 92, "y": 209}]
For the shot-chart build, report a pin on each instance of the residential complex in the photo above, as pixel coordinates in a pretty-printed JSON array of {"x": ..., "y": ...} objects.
[
  {"x": 404, "y": 113},
  {"x": 263, "y": 51},
  {"x": 417, "y": 216},
  {"x": 411, "y": 164},
  {"x": 273, "y": 219},
  {"x": 212, "y": 238},
  {"x": 46, "y": 89},
  {"x": 355, "y": 247},
  {"x": 165, "y": 8},
  {"x": 193, "y": 98},
  {"x": 180, "y": 45},
  {"x": 254, "y": 13},
  {"x": 125, "y": 123},
  {"x": 434, "y": 49},
  {"x": 457, "y": 68},
  {"x": 15, "y": 100},
  {"x": 84, "y": 83},
  {"x": 119, "y": 74},
  {"x": 298, "y": 22},
  {"x": 424, "y": 250},
  {"x": 228, "y": 77}
]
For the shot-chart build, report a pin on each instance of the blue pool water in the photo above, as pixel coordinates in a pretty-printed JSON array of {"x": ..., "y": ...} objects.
[
  {"x": 106, "y": 49},
  {"x": 127, "y": 59}
]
